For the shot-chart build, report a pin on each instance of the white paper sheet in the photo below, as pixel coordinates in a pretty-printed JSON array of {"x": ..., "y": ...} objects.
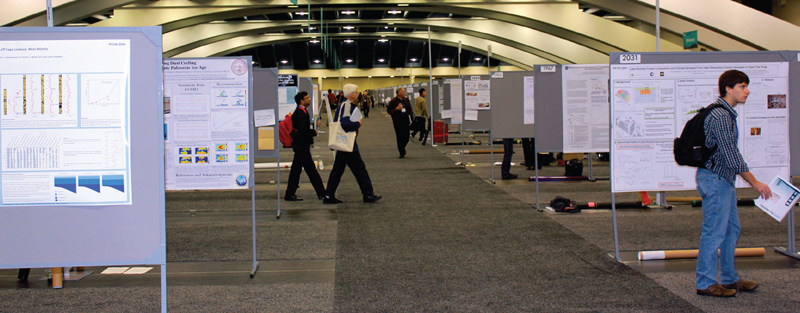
[
  {"x": 784, "y": 197},
  {"x": 114, "y": 270},
  {"x": 137, "y": 270},
  {"x": 264, "y": 117},
  {"x": 471, "y": 115}
]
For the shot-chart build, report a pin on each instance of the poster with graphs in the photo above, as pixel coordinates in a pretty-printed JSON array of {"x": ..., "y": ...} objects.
[
  {"x": 206, "y": 117},
  {"x": 64, "y": 128},
  {"x": 650, "y": 104}
]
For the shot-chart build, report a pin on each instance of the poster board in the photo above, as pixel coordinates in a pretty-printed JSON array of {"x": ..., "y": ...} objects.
[
  {"x": 453, "y": 112},
  {"x": 477, "y": 103},
  {"x": 656, "y": 93},
  {"x": 265, "y": 99},
  {"x": 104, "y": 72},
  {"x": 208, "y": 140},
  {"x": 434, "y": 99},
  {"x": 509, "y": 95},
  {"x": 548, "y": 112},
  {"x": 287, "y": 87},
  {"x": 584, "y": 89}
]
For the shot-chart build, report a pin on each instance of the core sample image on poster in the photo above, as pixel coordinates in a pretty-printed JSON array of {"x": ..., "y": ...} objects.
[
  {"x": 222, "y": 158},
  {"x": 241, "y": 158},
  {"x": 755, "y": 131},
  {"x": 241, "y": 147},
  {"x": 184, "y": 151},
  {"x": 185, "y": 160},
  {"x": 222, "y": 147},
  {"x": 776, "y": 101},
  {"x": 201, "y": 159},
  {"x": 203, "y": 150}
]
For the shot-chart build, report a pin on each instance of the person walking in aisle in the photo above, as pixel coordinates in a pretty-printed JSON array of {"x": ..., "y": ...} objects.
[
  {"x": 715, "y": 183},
  {"x": 302, "y": 139},
  {"x": 508, "y": 151},
  {"x": 350, "y": 159},
  {"x": 421, "y": 120},
  {"x": 366, "y": 104},
  {"x": 400, "y": 110}
]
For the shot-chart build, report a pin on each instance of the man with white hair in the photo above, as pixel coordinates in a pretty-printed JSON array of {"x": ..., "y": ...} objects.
[{"x": 350, "y": 159}]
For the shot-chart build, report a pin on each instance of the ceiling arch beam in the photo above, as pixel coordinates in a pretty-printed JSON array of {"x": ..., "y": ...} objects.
[{"x": 500, "y": 52}]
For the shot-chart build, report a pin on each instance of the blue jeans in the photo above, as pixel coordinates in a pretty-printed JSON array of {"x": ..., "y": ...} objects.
[{"x": 720, "y": 230}]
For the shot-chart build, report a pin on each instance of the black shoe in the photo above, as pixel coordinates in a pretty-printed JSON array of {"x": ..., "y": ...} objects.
[
  {"x": 330, "y": 200},
  {"x": 320, "y": 196},
  {"x": 292, "y": 198},
  {"x": 402, "y": 156},
  {"x": 372, "y": 198},
  {"x": 510, "y": 176}
]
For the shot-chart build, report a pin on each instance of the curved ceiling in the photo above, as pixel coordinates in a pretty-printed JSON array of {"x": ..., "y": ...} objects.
[{"x": 520, "y": 33}]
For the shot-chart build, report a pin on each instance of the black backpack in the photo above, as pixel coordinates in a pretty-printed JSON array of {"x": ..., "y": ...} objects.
[{"x": 690, "y": 148}]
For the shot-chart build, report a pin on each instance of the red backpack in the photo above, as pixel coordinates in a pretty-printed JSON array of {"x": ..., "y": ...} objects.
[{"x": 285, "y": 131}]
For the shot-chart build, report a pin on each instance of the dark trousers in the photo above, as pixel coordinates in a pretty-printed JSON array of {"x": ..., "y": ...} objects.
[
  {"x": 508, "y": 147},
  {"x": 366, "y": 111},
  {"x": 401, "y": 131},
  {"x": 356, "y": 164},
  {"x": 423, "y": 133},
  {"x": 302, "y": 160},
  {"x": 527, "y": 150}
]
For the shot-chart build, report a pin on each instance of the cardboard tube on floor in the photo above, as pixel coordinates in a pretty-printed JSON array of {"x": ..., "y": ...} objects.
[
  {"x": 692, "y": 254},
  {"x": 58, "y": 278}
]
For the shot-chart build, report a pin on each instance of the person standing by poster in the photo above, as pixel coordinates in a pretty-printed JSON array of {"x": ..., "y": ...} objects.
[
  {"x": 422, "y": 119},
  {"x": 332, "y": 99},
  {"x": 302, "y": 139},
  {"x": 350, "y": 159},
  {"x": 715, "y": 183},
  {"x": 401, "y": 111}
]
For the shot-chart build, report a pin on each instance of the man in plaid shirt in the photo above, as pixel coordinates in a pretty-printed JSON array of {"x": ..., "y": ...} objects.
[{"x": 715, "y": 183}]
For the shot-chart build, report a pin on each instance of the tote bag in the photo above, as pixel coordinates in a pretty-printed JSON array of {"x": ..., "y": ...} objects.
[{"x": 338, "y": 139}]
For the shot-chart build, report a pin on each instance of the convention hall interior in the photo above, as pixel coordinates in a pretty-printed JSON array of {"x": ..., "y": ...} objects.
[{"x": 451, "y": 233}]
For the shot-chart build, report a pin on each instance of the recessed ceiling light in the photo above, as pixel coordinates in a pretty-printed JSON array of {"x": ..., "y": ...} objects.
[
  {"x": 369, "y": 76},
  {"x": 349, "y": 12},
  {"x": 301, "y": 13},
  {"x": 386, "y": 27},
  {"x": 349, "y": 60},
  {"x": 413, "y": 59},
  {"x": 314, "y": 41},
  {"x": 445, "y": 59},
  {"x": 395, "y": 12},
  {"x": 390, "y": 23},
  {"x": 477, "y": 59},
  {"x": 284, "y": 61},
  {"x": 381, "y": 60},
  {"x": 383, "y": 40},
  {"x": 347, "y": 77},
  {"x": 403, "y": 5},
  {"x": 391, "y": 76},
  {"x": 348, "y": 40},
  {"x": 348, "y": 27},
  {"x": 316, "y": 61},
  {"x": 324, "y": 77}
]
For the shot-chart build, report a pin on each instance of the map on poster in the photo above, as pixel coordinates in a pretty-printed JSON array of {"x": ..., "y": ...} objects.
[
  {"x": 585, "y": 116},
  {"x": 650, "y": 103},
  {"x": 207, "y": 126},
  {"x": 64, "y": 127}
]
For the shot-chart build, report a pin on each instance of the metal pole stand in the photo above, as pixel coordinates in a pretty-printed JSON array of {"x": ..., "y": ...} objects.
[{"x": 790, "y": 249}]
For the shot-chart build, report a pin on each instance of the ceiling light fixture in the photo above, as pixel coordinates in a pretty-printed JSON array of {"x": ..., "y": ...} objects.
[
  {"x": 349, "y": 12},
  {"x": 391, "y": 76},
  {"x": 395, "y": 12},
  {"x": 402, "y": 4},
  {"x": 301, "y": 13},
  {"x": 348, "y": 40},
  {"x": 386, "y": 27},
  {"x": 383, "y": 40},
  {"x": 348, "y": 27},
  {"x": 316, "y": 61},
  {"x": 349, "y": 60},
  {"x": 477, "y": 59},
  {"x": 314, "y": 41},
  {"x": 284, "y": 61},
  {"x": 413, "y": 59},
  {"x": 381, "y": 60},
  {"x": 445, "y": 59}
]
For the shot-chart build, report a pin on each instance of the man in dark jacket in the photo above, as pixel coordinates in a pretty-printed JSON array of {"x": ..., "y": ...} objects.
[
  {"x": 302, "y": 139},
  {"x": 401, "y": 111}
]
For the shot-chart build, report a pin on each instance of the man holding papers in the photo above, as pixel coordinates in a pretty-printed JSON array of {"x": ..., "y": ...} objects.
[{"x": 715, "y": 183}]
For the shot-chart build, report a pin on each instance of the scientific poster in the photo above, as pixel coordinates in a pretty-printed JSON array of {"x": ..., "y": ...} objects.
[
  {"x": 456, "y": 102},
  {"x": 527, "y": 105},
  {"x": 287, "y": 89},
  {"x": 207, "y": 131},
  {"x": 64, "y": 128},
  {"x": 585, "y": 107},
  {"x": 650, "y": 104},
  {"x": 477, "y": 95}
]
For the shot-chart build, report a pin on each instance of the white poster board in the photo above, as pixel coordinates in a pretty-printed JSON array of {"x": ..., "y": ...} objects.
[
  {"x": 527, "y": 104},
  {"x": 287, "y": 89},
  {"x": 207, "y": 144},
  {"x": 456, "y": 101},
  {"x": 585, "y": 107},
  {"x": 651, "y": 102}
]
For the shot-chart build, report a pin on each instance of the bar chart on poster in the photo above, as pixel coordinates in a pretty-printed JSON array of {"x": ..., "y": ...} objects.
[{"x": 64, "y": 129}]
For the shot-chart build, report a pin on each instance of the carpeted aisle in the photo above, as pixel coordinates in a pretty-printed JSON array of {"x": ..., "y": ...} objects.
[{"x": 443, "y": 239}]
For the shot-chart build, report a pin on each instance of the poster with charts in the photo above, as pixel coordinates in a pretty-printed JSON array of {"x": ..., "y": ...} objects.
[
  {"x": 207, "y": 134},
  {"x": 584, "y": 89},
  {"x": 650, "y": 104},
  {"x": 64, "y": 128}
]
